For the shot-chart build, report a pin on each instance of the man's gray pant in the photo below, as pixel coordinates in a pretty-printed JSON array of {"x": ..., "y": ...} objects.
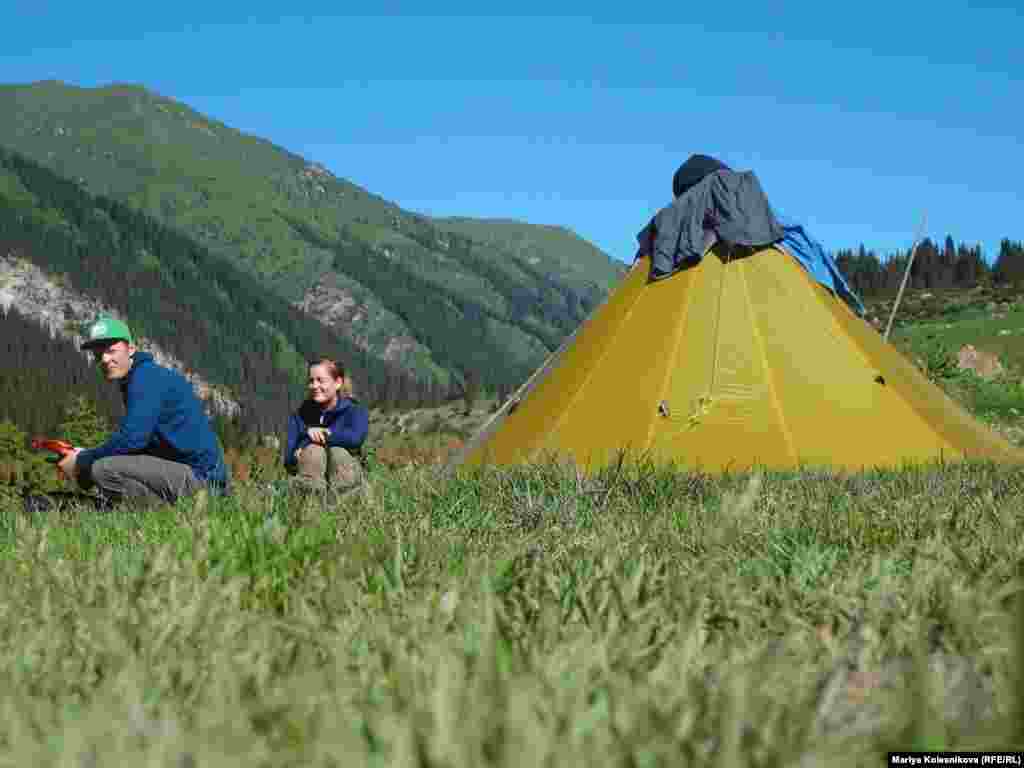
[{"x": 145, "y": 479}]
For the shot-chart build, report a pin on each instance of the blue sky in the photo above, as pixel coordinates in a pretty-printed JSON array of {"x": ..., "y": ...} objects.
[{"x": 858, "y": 119}]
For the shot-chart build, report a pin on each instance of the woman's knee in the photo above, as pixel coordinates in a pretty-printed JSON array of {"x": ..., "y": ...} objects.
[
  {"x": 312, "y": 459},
  {"x": 345, "y": 468}
]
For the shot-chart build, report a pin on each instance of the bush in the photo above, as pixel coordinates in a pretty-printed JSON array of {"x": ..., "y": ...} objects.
[
  {"x": 81, "y": 424},
  {"x": 938, "y": 361}
]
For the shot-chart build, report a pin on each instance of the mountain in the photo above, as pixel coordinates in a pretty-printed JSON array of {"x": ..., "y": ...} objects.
[
  {"x": 441, "y": 297},
  {"x": 66, "y": 254}
]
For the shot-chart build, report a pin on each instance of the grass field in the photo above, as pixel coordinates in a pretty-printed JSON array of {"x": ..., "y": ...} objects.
[
  {"x": 936, "y": 326},
  {"x": 990, "y": 318},
  {"x": 522, "y": 618},
  {"x": 640, "y": 617}
]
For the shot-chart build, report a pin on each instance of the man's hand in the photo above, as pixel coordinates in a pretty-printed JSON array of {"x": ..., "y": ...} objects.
[
  {"x": 69, "y": 464},
  {"x": 318, "y": 435}
]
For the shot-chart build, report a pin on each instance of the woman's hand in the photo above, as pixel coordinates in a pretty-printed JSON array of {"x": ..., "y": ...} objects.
[{"x": 318, "y": 435}]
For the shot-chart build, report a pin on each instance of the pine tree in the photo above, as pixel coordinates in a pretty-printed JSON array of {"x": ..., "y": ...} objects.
[{"x": 1009, "y": 266}]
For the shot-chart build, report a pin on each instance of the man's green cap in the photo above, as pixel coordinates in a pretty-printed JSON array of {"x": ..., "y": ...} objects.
[{"x": 105, "y": 330}]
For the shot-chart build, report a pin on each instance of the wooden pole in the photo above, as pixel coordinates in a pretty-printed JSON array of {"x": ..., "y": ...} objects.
[{"x": 906, "y": 275}]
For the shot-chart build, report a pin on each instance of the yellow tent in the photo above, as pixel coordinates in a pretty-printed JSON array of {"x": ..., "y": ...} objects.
[{"x": 733, "y": 363}]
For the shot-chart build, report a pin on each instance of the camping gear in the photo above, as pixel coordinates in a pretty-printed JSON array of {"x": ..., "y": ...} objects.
[
  {"x": 740, "y": 360},
  {"x": 724, "y": 206},
  {"x": 903, "y": 282}
]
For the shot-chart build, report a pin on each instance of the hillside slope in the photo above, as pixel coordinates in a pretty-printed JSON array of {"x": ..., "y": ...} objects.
[
  {"x": 90, "y": 252},
  {"x": 352, "y": 259}
]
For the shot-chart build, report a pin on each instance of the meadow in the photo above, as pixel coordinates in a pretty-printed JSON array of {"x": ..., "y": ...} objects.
[
  {"x": 530, "y": 617},
  {"x": 643, "y": 616}
]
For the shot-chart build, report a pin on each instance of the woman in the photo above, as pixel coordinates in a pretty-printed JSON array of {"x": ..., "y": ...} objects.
[{"x": 326, "y": 433}]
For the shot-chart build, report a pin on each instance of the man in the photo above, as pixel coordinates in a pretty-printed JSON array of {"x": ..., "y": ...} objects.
[{"x": 164, "y": 447}]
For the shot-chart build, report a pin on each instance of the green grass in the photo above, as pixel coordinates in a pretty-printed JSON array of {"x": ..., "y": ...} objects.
[
  {"x": 936, "y": 326},
  {"x": 523, "y": 617},
  {"x": 1003, "y": 336}
]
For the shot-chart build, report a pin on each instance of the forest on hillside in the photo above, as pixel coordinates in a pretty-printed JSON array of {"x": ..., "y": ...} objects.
[
  {"x": 199, "y": 307},
  {"x": 458, "y": 327},
  {"x": 43, "y": 374},
  {"x": 934, "y": 268},
  {"x": 509, "y": 290}
]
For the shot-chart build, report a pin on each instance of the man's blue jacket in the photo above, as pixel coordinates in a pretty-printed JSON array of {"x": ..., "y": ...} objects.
[
  {"x": 348, "y": 422},
  {"x": 163, "y": 418}
]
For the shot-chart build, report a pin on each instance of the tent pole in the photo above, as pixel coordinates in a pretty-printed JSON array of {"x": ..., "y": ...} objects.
[{"x": 906, "y": 274}]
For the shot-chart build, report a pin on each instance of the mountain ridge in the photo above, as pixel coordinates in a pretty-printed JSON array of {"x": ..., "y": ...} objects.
[{"x": 240, "y": 196}]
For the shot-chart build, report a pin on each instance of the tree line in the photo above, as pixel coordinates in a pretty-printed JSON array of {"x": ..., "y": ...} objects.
[{"x": 935, "y": 267}]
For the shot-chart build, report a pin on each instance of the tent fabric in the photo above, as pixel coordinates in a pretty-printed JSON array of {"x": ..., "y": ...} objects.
[
  {"x": 730, "y": 364},
  {"x": 820, "y": 264},
  {"x": 725, "y": 206}
]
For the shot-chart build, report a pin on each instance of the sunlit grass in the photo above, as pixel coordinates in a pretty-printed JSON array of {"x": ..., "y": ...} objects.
[{"x": 530, "y": 617}]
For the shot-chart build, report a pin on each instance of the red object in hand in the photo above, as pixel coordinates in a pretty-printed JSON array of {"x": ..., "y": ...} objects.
[{"x": 61, "y": 447}]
